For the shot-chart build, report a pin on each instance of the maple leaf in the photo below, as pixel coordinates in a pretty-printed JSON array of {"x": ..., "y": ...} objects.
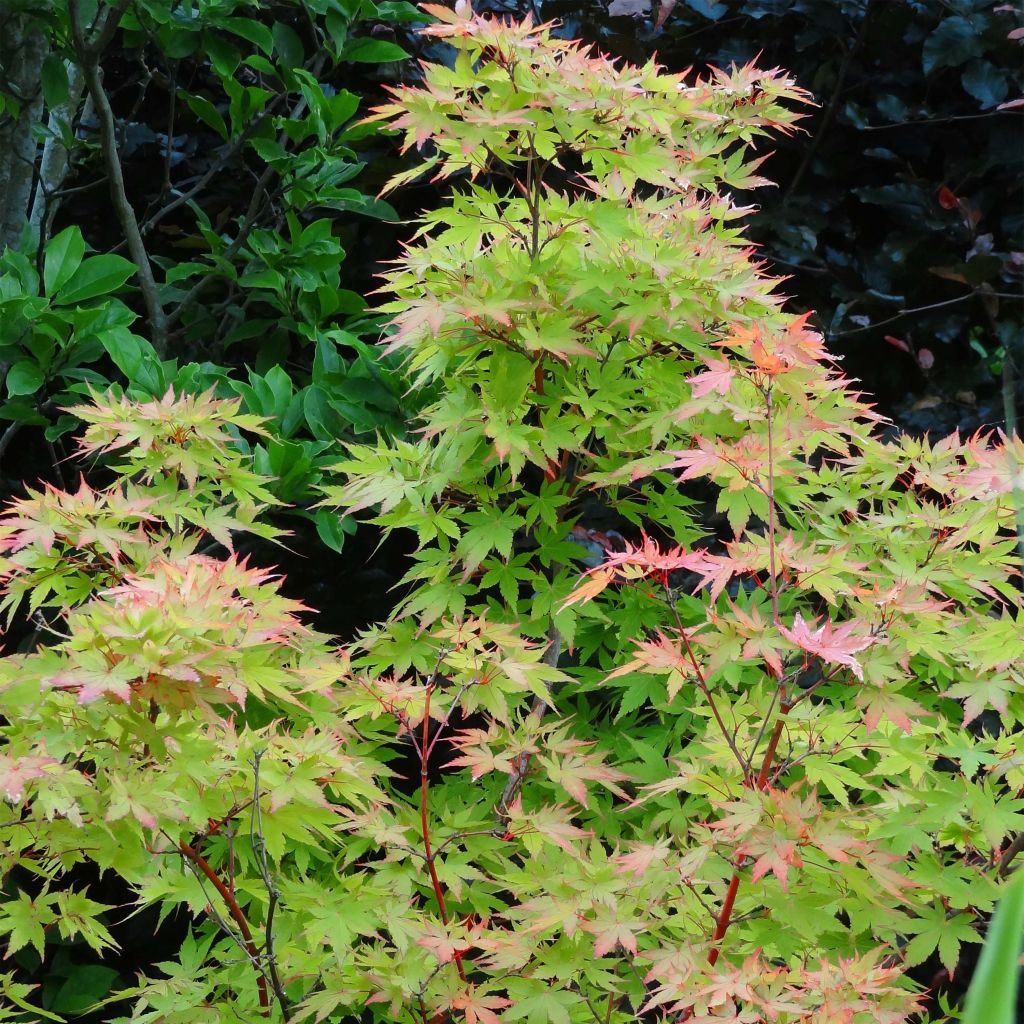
[
  {"x": 780, "y": 854},
  {"x": 985, "y": 690},
  {"x": 596, "y": 581},
  {"x": 91, "y": 684},
  {"x": 697, "y": 461},
  {"x": 641, "y": 856},
  {"x": 551, "y": 821},
  {"x": 439, "y": 941},
  {"x": 743, "y": 816},
  {"x": 16, "y": 771},
  {"x": 997, "y": 469},
  {"x": 647, "y": 559},
  {"x": 609, "y": 932},
  {"x": 478, "y": 1007},
  {"x": 900, "y": 710},
  {"x": 834, "y": 644},
  {"x": 477, "y": 754},
  {"x": 718, "y": 377},
  {"x": 664, "y": 655},
  {"x": 574, "y": 772}
]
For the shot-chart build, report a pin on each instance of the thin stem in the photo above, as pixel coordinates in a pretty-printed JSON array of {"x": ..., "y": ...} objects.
[
  {"x": 538, "y": 708},
  {"x": 725, "y": 914},
  {"x": 200, "y": 862},
  {"x": 706, "y": 690},
  {"x": 429, "y": 855},
  {"x": 444, "y": 723},
  {"x": 916, "y": 309},
  {"x": 1008, "y": 855},
  {"x": 88, "y": 57},
  {"x": 773, "y": 589},
  {"x": 259, "y": 847},
  {"x": 936, "y": 120}
]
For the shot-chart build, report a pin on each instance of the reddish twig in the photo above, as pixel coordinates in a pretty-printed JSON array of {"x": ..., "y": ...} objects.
[
  {"x": 236, "y": 915},
  {"x": 724, "y": 917},
  {"x": 706, "y": 690},
  {"x": 785, "y": 705},
  {"x": 428, "y": 852},
  {"x": 773, "y": 590}
]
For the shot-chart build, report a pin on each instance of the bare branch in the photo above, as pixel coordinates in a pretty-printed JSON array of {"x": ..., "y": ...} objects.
[{"x": 88, "y": 56}]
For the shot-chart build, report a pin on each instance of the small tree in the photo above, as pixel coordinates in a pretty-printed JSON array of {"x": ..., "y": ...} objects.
[{"x": 802, "y": 623}]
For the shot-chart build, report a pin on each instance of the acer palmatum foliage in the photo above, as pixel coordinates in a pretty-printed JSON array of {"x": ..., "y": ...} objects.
[{"x": 695, "y": 782}]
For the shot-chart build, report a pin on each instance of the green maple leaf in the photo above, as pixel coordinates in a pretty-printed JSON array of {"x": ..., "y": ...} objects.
[
  {"x": 539, "y": 1004},
  {"x": 24, "y": 921},
  {"x": 490, "y": 529},
  {"x": 937, "y": 931}
]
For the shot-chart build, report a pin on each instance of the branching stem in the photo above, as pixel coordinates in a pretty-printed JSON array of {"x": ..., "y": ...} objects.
[
  {"x": 203, "y": 865},
  {"x": 429, "y": 854},
  {"x": 88, "y": 55}
]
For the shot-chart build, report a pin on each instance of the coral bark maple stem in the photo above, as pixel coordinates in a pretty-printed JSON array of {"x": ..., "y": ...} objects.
[
  {"x": 773, "y": 589},
  {"x": 236, "y": 915},
  {"x": 428, "y": 852}
]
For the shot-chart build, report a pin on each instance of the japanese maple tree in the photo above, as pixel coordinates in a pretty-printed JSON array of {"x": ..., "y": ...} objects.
[
  {"x": 790, "y": 621},
  {"x": 679, "y": 715}
]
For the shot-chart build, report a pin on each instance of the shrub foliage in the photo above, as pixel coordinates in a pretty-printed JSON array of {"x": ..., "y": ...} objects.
[{"x": 680, "y": 717}]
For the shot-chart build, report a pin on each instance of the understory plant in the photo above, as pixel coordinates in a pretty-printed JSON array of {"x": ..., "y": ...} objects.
[
  {"x": 215, "y": 144},
  {"x": 701, "y": 699}
]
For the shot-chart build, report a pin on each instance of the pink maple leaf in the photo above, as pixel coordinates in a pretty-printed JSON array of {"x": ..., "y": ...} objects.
[
  {"x": 834, "y": 644},
  {"x": 718, "y": 377},
  {"x": 16, "y": 771}
]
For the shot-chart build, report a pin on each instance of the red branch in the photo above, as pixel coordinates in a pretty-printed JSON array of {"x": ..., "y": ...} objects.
[
  {"x": 723, "y": 918},
  {"x": 428, "y": 852},
  {"x": 236, "y": 915},
  {"x": 785, "y": 705}
]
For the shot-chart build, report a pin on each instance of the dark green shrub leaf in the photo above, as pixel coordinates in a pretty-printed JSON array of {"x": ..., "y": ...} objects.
[
  {"x": 985, "y": 82},
  {"x": 64, "y": 254},
  {"x": 127, "y": 350},
  {"x": 372, "y": 51},
  {"x": 20, "y": 410},
  {"x": 331, "y": 528},
  {"x": 86, "y": 985},
  {"x": 953, "y": 43},
  {"x": 224, "y": 57},
  {"x": 708, "y": 8},
  {"x": 55, "y": 81},
  {"x": 207, "y": 113},
  {"x": 399, "y": 10},
  {"x": 288, "y": 45},
  {"x": 99, "y": 275},
  {"x": 251, "y": 29},
  {"x": 24, "y": 378}
]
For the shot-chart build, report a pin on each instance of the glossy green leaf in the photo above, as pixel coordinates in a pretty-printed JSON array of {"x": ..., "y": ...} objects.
[
  {"x": 54, "y": 76},
  {"x": 372, "y": 51},
  {"x": 288, "y": 45},
  {"x": 207, "y": 113},
  {"x": 63, "y": 256},
  {"x": 952, "y": 43},
  {"x": 96, "y": 276},
  {"x": 24, "y": 378},
  {"x": 986, "y": 83}
]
